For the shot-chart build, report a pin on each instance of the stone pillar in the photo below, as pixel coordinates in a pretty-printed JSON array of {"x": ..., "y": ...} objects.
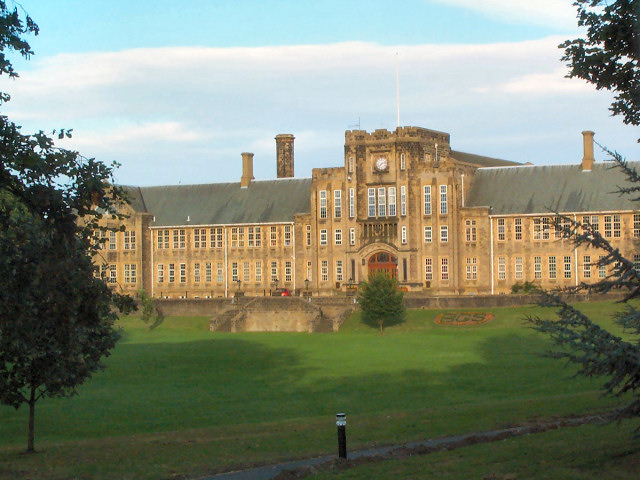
[
  {"x": 284, "y": 155},
  {"x": 247, "y": 169}
]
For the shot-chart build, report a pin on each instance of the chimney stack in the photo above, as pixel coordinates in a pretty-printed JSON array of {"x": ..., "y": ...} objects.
[
  {"x": 284, "y": 155},
  {"x": 247, "y": 169},
  {"x": 587, "y": 159}
]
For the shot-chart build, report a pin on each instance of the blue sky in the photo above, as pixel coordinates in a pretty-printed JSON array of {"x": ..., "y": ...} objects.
[{"x": 175, "y": 91}]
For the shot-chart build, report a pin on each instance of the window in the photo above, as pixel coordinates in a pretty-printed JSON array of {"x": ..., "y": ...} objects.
[
  {"x": 183, "y": 273},
  {"x": 130, "y": 273},
  {"x": 258, "y": 233},
  {"x": 160, "y": 269},
  {"x": 552, "y": 268},
  {"x": 274, "y": 271},
  {"x": 172, "y": 273},
  {"x": 324, "y": 270},
  {"x": 309, "y": 271},
  {"x": 308, "y": 234},
  {"x": 323, "y": 203},
  {"x": 287, "y": 235},
  {"x": 502, "y": 268},
  {"x": 443, "y": 200},
  {"x": 339, "y": 274},
  {"x": 616, "y": 226},
  {"x": 337, "y": 203},
  {"x": 350, "y": 165},
  {"x": 199, "y": 238},
  {"x": 196, "y": 273},
  {"x": 403, "y": 200},
  {"x": 586, "y": 266},
  {"x": 501, "y": 229},
  {"x": 426, "y": 194},
  {"x": 113, "y": 240},
  {"x": 403, "y": 235},
  {"x": 251, "y": 242},
  {"x": 567, "y": 266},
  {"x": 130, "y": 241},
  {"x": 371, "y": 195},
  {"x": 323, "y": 236},
  {"x": 403, "y": 162},
  {"x": 444, "y": 268},
  {"x": 444, "y": 234},
  {"x": 216, "y": 238},
  {"x": 113, "y": 277},
  {"x": 352, "y": 203},
  {"x": 636, "y": 225},
  {"x": 245, "y": 272},
  {"x": 392, "y": 201},
  {"x": 470, "y": 230},
  {"x": 541, "y": 228},
  {"x": 219, "y": 273},
  {"x": 518, "y": 268},
  {"x": 240, "y": 237},
  {"x": 287, "y": 271},
  {"x": 207, "y": 272},
  {"x": 428, "y": 269},
  {"x": 163, "y": 239},
  {"x": 234, "y": 237},
  {"x": 472, "y": 268},
  {"x": 338, "y": 236},
  {"x": 179, "y": 239},
  {"x": 517, "y": 228},
  {"x": 352, "y": 236},
  {"x": 273, "y": 238},
  {"x": 382, "y": 202},
  {"x": 234, "y": 272},
  {"x": 427, "y": 235},
  {"x": 602, "y": 269},
  {"x": 258, "y": 271},
  {"x": 636, "y": 262},
  {"x": 607, "y": 226},
  {"x": 562, "y": 226},
  {"x": 537, "y": 267}
]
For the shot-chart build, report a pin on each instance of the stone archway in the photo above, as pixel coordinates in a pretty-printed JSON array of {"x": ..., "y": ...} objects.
[{"x": 383, "y": 262}]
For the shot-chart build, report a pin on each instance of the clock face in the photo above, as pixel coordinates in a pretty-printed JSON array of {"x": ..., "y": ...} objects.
[{"x": 381, "y": 164}]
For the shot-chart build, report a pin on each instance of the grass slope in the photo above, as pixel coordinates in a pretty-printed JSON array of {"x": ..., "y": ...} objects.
[{"x": 180, "y": 399}]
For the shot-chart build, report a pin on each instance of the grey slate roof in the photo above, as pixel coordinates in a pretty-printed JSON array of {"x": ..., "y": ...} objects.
[
  {"x": 560, "y": 188},
  {"x": 480, "y": 160},
  {"x": 224, "y": 203}
]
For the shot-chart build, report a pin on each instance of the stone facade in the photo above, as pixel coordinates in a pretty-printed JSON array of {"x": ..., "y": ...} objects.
[{"x": 443, "y": 222}]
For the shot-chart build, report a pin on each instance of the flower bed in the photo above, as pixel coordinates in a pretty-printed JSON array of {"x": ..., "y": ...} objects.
[{"x": 463, "y": 318}]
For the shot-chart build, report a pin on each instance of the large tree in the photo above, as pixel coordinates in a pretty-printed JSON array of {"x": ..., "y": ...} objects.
[
  {"x": 608, "y": 57},
  {"x": 381, "y": 302},
  {"x": 56, "y": 317}
]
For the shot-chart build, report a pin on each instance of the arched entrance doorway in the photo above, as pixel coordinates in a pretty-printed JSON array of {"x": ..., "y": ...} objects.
[{"x": 383, "y": 262}]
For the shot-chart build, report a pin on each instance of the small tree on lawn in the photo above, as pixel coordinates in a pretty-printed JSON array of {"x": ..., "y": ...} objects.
[
  {"x": 609, "y": 57},
  {"x": 381, "y": 302},
  {"x": 56, "y": 317}
]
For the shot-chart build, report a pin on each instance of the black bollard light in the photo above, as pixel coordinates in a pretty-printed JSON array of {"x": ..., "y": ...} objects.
[{"x": 341, "y": 422}]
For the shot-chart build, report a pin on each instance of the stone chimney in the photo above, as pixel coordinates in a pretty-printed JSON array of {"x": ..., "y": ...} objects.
[
  {"x": 587, "y": 159},
  {"x": 284, "y": 155},
  {"x": 247, "y": 169}
]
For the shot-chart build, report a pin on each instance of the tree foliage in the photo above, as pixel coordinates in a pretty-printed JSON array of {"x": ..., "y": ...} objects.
[
  {"x": 609, "y": 58},
  {"x": 56, "y": 317},
  {"x": 609, "y": 54},
  {"x": 381, "y": 302}
]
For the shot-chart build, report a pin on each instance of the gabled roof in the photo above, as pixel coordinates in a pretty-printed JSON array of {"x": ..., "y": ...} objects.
[
  {"x": 557, "y": 188},
  {"x": 480, "y": 160},
  {"x": 224, "y": 203}
]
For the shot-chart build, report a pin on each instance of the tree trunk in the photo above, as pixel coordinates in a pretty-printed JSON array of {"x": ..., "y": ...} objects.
[{"x": 32, "y": 413}]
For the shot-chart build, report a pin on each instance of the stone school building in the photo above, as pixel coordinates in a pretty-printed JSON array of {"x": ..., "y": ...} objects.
[{"x": 443, "y": 222}]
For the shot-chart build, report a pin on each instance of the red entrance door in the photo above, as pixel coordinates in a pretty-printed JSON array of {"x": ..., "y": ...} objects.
[{"x": 383, "y": 262}]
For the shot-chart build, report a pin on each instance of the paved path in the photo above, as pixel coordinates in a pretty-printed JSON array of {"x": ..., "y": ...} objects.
[{"x": 270, "y": 471}]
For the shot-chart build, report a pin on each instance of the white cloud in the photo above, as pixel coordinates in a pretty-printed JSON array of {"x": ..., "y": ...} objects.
[
  {"x": 171, "y": 114},
  {"x": 554, "y": 13}
]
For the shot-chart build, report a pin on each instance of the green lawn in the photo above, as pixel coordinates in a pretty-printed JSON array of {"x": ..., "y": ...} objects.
[{"x": 182, "y": 400}]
